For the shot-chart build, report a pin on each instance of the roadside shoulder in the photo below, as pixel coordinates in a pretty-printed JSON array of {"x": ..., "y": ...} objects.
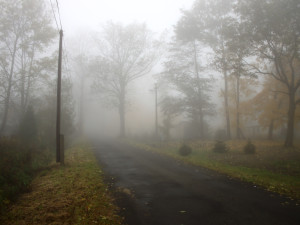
[{"x": 71, "y": 194}]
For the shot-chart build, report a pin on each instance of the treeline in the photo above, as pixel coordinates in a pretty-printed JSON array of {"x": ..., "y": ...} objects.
[
  {"x": 254, "y": 47},
  {"x": 251, "y": 46},
  {"x": 28, "y": 71},
  {"x": 28, "y": 68}
]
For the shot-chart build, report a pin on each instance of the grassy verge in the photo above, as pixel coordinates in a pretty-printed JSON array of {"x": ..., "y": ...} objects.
[
  {"x": 70, "y": 194},
  {"x": 19, "y": 164},
  {"x": 272, "y": 167}
]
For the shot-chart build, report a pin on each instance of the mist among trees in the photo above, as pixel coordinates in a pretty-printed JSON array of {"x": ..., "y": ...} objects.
[
  {"x": 225, "y": 71},
  {"x": 235, "y": 62}
]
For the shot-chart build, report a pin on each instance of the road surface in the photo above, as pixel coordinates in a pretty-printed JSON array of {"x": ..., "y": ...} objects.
[{"x": 156, "y": 190}]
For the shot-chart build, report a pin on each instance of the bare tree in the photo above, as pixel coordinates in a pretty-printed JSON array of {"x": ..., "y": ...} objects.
[
  {"x": 207, "y": 21},
  {"x": 25, "y": 29},
  {"x": 82, "y": 71},
  {"x": 81, "y": 53},
  {"x": 186, "y": 77},
  {"x": 125, "y": 54}
]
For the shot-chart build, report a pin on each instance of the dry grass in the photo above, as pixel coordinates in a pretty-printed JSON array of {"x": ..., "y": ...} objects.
[
  {"x": 269, "y": 155},
  {"x": 70, "y": 194}
]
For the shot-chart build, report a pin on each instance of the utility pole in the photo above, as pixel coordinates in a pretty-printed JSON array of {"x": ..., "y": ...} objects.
[
  {"x": 156, "y": 121},
  {"x": 58, "y": 108}
]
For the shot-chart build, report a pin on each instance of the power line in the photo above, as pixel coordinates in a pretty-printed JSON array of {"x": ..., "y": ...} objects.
[
  {"x": 58, "y": 13},
  {"x": 54, "y": 15},
  {"x": 65, "y": 56}
]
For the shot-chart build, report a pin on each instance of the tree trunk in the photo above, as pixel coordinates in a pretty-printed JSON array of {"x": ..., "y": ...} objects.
[
  {"x": 28, "y": 88},
  {"x": 238, "y": 133},
  {"x": 202, "y": 125},
  {"x": 81, "y": 106},
  {"x": 289, "y": 140},
  {"x": 227, "y": 117},
  {"x": 201, "y": 116},
  {"x": 8, "y": 92},
  {"x": 226, "y": 104},
  {"x": 270, "y": 132},
  {"x": 5, "y": 114},
  {"x": 122, "y": 114},
  {"x": 29, "y": 79},
  {"x": 23, "y": 107}
]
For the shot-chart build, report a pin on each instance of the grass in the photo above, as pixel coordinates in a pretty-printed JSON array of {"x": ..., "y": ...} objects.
[
  {"x": 273, "y": 167},
  {"x": 70, "y": 194},
  {"x": 19, "y": 164}
]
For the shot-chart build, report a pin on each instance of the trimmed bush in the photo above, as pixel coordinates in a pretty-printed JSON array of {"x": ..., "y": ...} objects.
[
  {"x": 249, "y": 148},
  {"x": 185, "y": 150},
  {"x": 220, "y": 147}
]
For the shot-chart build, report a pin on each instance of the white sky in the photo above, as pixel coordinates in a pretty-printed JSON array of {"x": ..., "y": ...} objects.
[{"x": 89, "y": 14}]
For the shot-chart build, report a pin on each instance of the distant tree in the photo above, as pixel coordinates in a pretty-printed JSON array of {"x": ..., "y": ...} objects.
[
  {"x": 34, "y": 42},
  {"x": 82, "y": 71},
  {"x": 25, "y": 30},
  {"x": 192, "y": 88},
  {"x": 274, "y": 30},
  {"x": 28, "y": 126},
  {"x": 171, "y": 107},
  {"x": 45, "y": 102},
  {"x": 125, "y": 54},
  {"x": 81, "y": 50},
  {"x": 243, "y": 89},
  {"x": 270, "y": 106},
  {"x": 240, "y": 78},
  {"x": 207, "y": 22}
]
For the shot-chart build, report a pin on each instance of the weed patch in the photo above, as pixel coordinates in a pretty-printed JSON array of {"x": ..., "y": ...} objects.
[
  {"x": 70, "y": 194},
  {"x": 19, "y": 163}
]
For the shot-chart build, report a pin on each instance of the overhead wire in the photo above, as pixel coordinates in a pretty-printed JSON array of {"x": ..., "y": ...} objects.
[
  {"x": 65, "y": 56},
  {"x": 54, "y": 15},
  {"x": 58, "y": 14}
]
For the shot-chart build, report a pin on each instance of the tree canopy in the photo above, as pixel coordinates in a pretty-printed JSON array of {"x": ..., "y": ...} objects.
[{"x": 125, "y": 54}]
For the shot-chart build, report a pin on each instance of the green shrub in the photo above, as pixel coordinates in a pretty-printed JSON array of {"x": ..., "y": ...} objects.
[
  {"x": 28, "y": 128},
  {"x": 18, "y": 164},
  {"x": 185, "y": 150},
  {"x": 220, "y": 147},
  {"x": 249, "y": 148}
]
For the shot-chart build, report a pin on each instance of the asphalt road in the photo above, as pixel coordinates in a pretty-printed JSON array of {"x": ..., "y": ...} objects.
[{"x": 156, "y": 190}]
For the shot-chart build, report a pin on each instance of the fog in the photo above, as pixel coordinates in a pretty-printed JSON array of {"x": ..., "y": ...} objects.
[
  {"x": 85, "y": 18},
  {"x": 211, "y": 72},
  {"x": 85, "y": 24},
  {"x": 149, "y": 112},
  {"x": 88, "y": 15}
]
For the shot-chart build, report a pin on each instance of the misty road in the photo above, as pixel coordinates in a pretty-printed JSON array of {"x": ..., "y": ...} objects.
[{"x": 156, "y": 190}]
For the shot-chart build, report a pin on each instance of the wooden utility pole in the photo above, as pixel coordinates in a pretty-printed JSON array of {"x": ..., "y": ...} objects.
[
  {"x": 156, "y": 120},
  {"x": 58, "y": 108}
]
